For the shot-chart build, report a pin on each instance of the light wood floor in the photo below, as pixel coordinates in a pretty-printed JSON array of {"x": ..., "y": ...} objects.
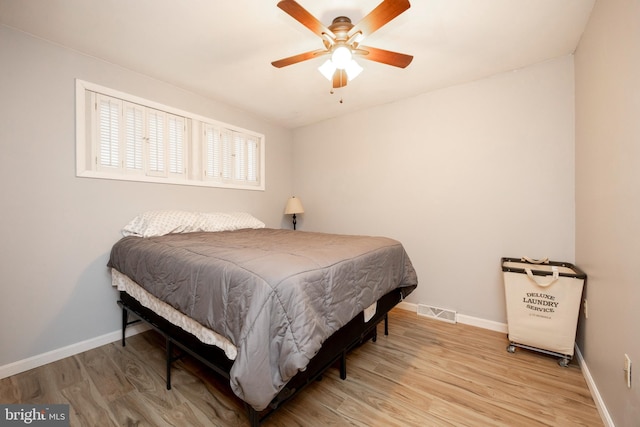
[{"x": 425, "y": 373}]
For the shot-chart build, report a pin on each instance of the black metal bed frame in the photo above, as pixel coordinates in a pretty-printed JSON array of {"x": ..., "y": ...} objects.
[{"x": 333, "y": 351}]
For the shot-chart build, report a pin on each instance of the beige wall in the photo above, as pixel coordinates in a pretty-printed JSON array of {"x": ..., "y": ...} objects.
[
  {"x": 57, "y": 229},
  {"x": 608, "y": 200},
  {"x": 462, "y": 177}
]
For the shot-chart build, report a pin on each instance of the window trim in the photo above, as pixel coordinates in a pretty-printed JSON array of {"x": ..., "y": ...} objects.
[{"x": 194, "y": 146}]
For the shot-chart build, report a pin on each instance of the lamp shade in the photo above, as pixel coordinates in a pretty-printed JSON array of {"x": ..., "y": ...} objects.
[{"x": 294, "y": 206}]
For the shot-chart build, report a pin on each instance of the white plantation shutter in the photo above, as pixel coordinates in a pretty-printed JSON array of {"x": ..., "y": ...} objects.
[
  {"x": 240, "y": 156},
  {"x": 156, "y": 142},
  {"x": 213, "y": 152},
  {"x": 231, "y": 156},
  {"x": 176, "y": 144},
  {"x": 134, "y": 136},
  {"x": 226, "y": 137},
  {"x": 252, "y": 159},
  {"x": 108, "y": 115},
  {"x": 210, "y": 148}
]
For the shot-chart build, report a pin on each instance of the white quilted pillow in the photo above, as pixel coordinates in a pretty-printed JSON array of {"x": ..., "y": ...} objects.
[
  {"x": 159, "y": 223},
  {"x": 220, "y": 221}
]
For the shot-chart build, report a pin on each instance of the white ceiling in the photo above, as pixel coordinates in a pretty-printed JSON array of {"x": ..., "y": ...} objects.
[{"x": 223, "y": 49}]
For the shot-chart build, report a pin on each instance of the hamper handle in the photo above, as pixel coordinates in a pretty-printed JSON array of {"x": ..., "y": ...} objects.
[
  {"x": 544, "y": 260},
  {"x": 554, "y": 278}
]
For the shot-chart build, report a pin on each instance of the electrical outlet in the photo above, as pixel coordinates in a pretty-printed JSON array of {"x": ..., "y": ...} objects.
[
  {"x": 586, "y": 309},
  {"x": 627, "y": 369}
]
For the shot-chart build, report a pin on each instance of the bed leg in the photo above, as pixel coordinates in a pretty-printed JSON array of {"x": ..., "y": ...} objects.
[
  {"x": 169, "y": 349},
  {"x": 343, "y": 366},
  {"x": 386, "y": 324},
  {"x": 125, "y": 320},
  {"x": 254, "y": 418}
]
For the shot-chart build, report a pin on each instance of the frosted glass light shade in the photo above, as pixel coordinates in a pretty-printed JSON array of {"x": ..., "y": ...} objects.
[
  {"x": 327, "y": 69},
  {"x": 353, "y": 70},
  {"x": 341, "y": 57}
]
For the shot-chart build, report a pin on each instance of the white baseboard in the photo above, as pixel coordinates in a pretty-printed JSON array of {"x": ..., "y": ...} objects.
[
  {"x": 602, "y": 409},
  {"x": 70, "y": 350},
  {"x": 408, "y": 306},
  {"x": 464, "y": 319},
  {"x": 483, "y": 323}
]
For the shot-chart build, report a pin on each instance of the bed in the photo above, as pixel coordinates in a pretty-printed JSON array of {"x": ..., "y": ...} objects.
[{"x": 269, "y": 309}]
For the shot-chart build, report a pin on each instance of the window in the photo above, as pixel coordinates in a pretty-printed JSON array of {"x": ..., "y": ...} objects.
[
  {"x": 231, "y": 156},
  {"x": 120, "y": 136}
]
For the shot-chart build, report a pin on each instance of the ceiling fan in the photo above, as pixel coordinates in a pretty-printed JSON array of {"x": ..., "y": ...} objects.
[{"x": 342, "y": 40}]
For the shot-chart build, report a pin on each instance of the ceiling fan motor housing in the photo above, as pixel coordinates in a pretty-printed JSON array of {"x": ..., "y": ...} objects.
[{"x": 340, "y": 27}]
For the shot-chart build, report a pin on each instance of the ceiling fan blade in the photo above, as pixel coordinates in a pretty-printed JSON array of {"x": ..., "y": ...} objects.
[
  {"x": 384, "y": 56},
  {"x": 383, "y": 13},
  {"x": 339, "y": 79},
  {"x": 301, "y": 15},
  {"x": 299, "y": 58}
]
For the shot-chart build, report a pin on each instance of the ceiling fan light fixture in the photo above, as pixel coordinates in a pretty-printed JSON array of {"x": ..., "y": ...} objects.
[
  {"x": 327, "y": 69},
  {"x": 353, "y": 70},
  {"x": 341, "y": 57},
  {"x": 342, "y": 39}
]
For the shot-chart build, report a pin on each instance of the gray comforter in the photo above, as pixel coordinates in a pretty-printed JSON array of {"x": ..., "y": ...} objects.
[{"x": 277, "y": 295}]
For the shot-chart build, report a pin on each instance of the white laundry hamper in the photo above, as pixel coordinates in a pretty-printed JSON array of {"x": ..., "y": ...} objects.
[{"x": 543, "y": 301}]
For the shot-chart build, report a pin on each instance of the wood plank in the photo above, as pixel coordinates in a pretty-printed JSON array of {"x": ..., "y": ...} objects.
[
  {"x": 10, "y": 390},
  {"x": 87, "y": 406},
  {"x": 210, "y": 396},
  {"x": 184, "y": 415},
  {"x": 139, "y": 373},
  {"x": 132, "y": 409},
  {"x": 107, "y": 377}
]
